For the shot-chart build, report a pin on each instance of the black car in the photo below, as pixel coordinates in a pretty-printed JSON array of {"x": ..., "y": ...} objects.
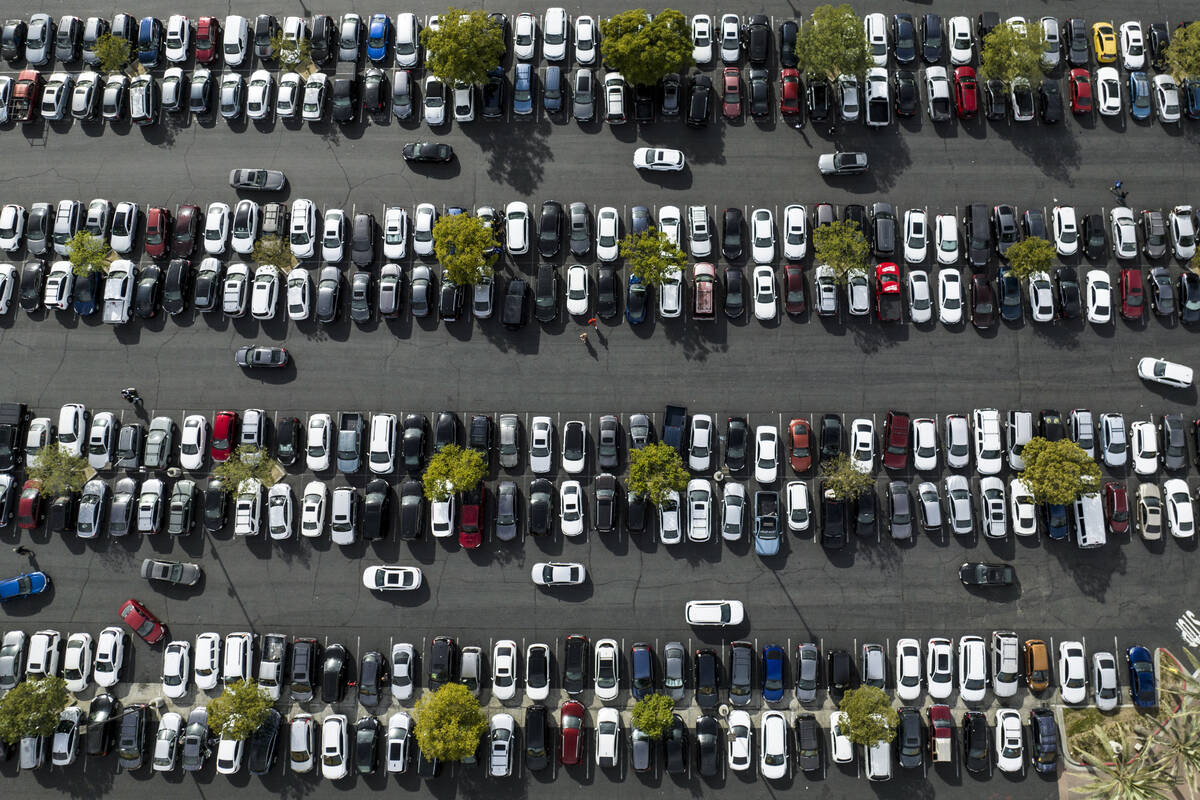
[
  {"x": 908, "y": 97},
  {"x": 976, "y": 573},
  {"x": 737, "y": 432},
  {"x": 264, "y": 744},
  {"x": 978, "y": 233},
  {"x": 735, "y": 299},
  {"x": 537, "y": 739},
  {"x": 808, "y": 743},
  {"x": 708, "y": 746},
  {"x": 1189, "y": 297},
  {"x": 541, "y": 506},
  {"x": 910, "y": 739},
  {"x": 215, "y": 503},
  {"x": 1070, "y": 301},
  {"x": 377, "y": 508},
  {"x": 344, "y": 103},
  {"x": 445, "y": 430},
  {"x": 177, "y": 286},
  {"x": 983, "y": 301},
  {"x": 333, "y": 674},
  {"x": 833, "y": 522},
  {"x": 450, "y": 299},
  {"x": 883, "y": 229},
  {"x": 1043, "y": 735},
  {"x": 787, "y": 44},
  {"x": 643, "y": 103},
  {"x": 931, "y": 38},
  {"x": 866, "y": 514},
  {"x": 493, "y": 94},
  {"x": 412, "y": 510},
  {"x": 428, "y": 152},
  {"x": 575, "y": 658},
  {"x": 707, "y": 669},
  {"x": 1162, "y": 291},
  {"x": 675, "y": 747},
  {"x": 1157, "y": 39},
  {"x": 759, "y": 93},
  {"x": 550, "y": 229},
  {"x": 699, "y": 101},
  {"x": 145, "y": 296},
  {"x": 840, "y": 670},
  {"x": 545, "y": 296},
  {"x": 904, "y": 38},
  {"x": 131, "y": 738},
  {"x": 61, "y": 515},
  {"x": 377, "y": 93},
  {"x": 1154, "y": 233},
  {"x": 514, "y": 312},
  {"x": 995, "y": 99},
  {"x": 758, "y": 39},
  {"x": 1009, "y": 290},
  {"x": 831, "y": 437},
  {"x": 373, "y": 674},
  {"x": 670, "y": 90},
  {"x": 366, "y": 745},
  {"x": 31, "y": 290},
  {"x": 412, "y": 443},
  {"x": 1093, "y": 236},
  {"x": 443, "y": 662},
  {"x": 1075, "y": 42},
  {"x": 1050, "y": 425},
  {"x": 606, "y": 292},
  {"x": 731, "y": 234},
  {"x": 1033, "y": 223},
  {"x": 102, "y": 712},
  {"x": 322, "y": 44},
  {"x": 636, "y": 510},
  {"x": 1050, "y": 102},
  {"x": 84, "y": 293},
  {"x": 608, "y": 443},
  {"x": 820, "y": 99},
  {"x": 289, "y": 433},
  {"x": 976, "y": 752}
]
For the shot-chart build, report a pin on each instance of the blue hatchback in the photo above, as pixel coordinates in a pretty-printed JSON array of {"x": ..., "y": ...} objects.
[
  {"x": 1141, "y": 677},
  {"x": 24, "y": 585},
  {"x": 773, "y": 660},
  {"x": 1139, "y": 95},
  {"x": 149, "y": 41},
  {"x": 378, "y": 34}
]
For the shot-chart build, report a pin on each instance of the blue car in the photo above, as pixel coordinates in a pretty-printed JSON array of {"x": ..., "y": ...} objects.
[
  {"x": 1139, "y": 95},
  {"x": 1057, "y": 527},
  {"x": 635, "y": 301},
  {"x": 149, "y": 41},
  {"x": 24, "y": 585},
  {"x": 1141, "y": 677},
  {"x": 523, "y": 90},
  {"x": 378, "y": 34},
  {"x": 773, "y": 660},
  {"x": 766, "y": 523},
  {"x": 84, "y": 293}
]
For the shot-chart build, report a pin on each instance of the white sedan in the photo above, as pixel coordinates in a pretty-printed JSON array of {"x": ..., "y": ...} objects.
[
  {"x": 504, "y": 669},
  {"x": 1009, "y": 740},
  {"x": 916, "y": 235},
  {"x": 908, "y": 669},
  {"x": 765, "y": 304},
  {"x": 1183, "y": 232},
  {"x": 1166, "y": 98},
  {"x": 702, "y": 42},
  {"x": 607, "y": 671},
  {"x": 392, "y": 579},
  {"x": 1066, "y": 230},
  {"x": 950, "y": 297},
  {"x": 1159, "y": 370},
  {"x": 939, "y": 668},
  {"x": 773, "y": 749},
  {"x": 176, "y": 668},
  {"x": 1108, "y": 92},
  {"x": 299, "y": 294},
  {"x": 1099, "y": 297},
  {"x": 961, "y": 42},
  {"x": 1072, "y": 672},
  {"x": 258, "y": 94},
  {"x": 946, "y": 233},
  {"x": 558, "y": 573},
  {"x": 607, "y": 225},
  {"x": 192, "y": 440},
  {"x": 762, "y": 236},
  {"x": 1041, "y": 297},
  {"x": 1124, "y": 233},
  {"x": 862, "y": 444},
  {"x": 659, "y": 159},
  {"x": 920, "y": 303},
  {"x": 288, "y": 99},
  {"x": 795, "y": 231},
  {"x": 577, "y": 290},
  {"x": 766, "y": 454},
  {"x": 731, "y": 38},
  {"x": 1180, "y": 519},
  {"x": 424, "y": 218},
  {"x": 740, "y": 740},
  {"x": 925, "y": 452},
  {"x": 1143, "y": 445},
  {"x": 570, "y": 500},
  {"x": 1021, "y": 508}
]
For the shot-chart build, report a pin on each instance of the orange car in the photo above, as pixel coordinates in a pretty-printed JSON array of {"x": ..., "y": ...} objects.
[{"x": 1037, "y": 665}]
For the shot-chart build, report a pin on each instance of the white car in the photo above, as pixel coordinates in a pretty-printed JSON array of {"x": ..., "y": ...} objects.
[
  {"x": 423, "y": 220},
  {"x": 524, "y": 36},
  {"x": 1124, "y": 233},
  {"x": 408, "y": 39},
  {"x": 1144, "y": 446},
  {"x": 773, "y": 747},
  {"x": 608, "y": 736},
  {"x": 316, "y": 88},
  {"x": 731, "y": 38},
  {"x": 399, "y": 740},
  {"x": 216, "y": 228},
  {"x": 946, "y": 234},
  {"x": 1010, "y": 747},
  {"x": 714, "y": 612},
  {"x": 299, "y": 294},
  {"x": 72, "y": 428},
  {"x": 319, "y": 442},
  {"x": 434, "y": 101},
  {"x": 1105, "y": 692},
  {"x": 12, "y": 226},
  {"x": 920, "y": 302},
  {"x": 1133, "y": 46},
  {"x": 577, "y": 290},
  {"x": 392, "y": 578},
  {"x": 939, "y": 668},
  {"x": 558, "y": 573},
  {"x": 670, "y": 294},
  {"x": 989, "y": 451},
  {"x": 1022, "y": 508},
  {"x": 238, "y": 664},
  {"x": 916, "y": 235},
  {"x": 179, "y": 35},
  {"x": 192, "y": 439},
  {"x": 924, "y": 444},
  {"x": 110, "y": 656},
  {"x": 1114, "y": 445},
  {"x": 1108, "y": 92},
  {"x": 992, "y": 513},
  {"x": 1099, "y": 297},
  {"x": 862, "y": 444},
  {"x": 702, "y": 39},
  {"x": 955, "y": 441},
  {"x": 766, "y": 454},
  {"x": 740, "y": 740},
  {"x": 875, "y": 28},
  {"x": 573, "y": 460},
  {"x": 659, "y": 159},
  {"x": 799, "y": 511},
  {"x": 840, "y": 748},
  {"x": 333, "y": 235},
  {"x": 762, "y": 236},
  {"x": 245, "y": 227},
  {"x": 962, "y": 45},
  {"x": 671, "y": 224},
  {"x": 958, "y": 505},
  {"x": 669, "y": 529},
  {"x": 167, "y": 741},
  {"x": 586, "y": 35},
  {"x": 1166, "y": 98},
  {"x": 441, "y": 517},
  {"x": 404, "y": 664},
  {"x": 700, "y": 448},
  {"x": 289, "y": 97},
  {"x": 908, "y": 669},
  {"x": 395, "y": 232},
  {"x": 1159, "y": 370},
  {"x": 1180, "y": 518},
  {"x": 570, "y": 508},
  {"x": 795, "y": 232},
  {"x": 504, "y": 669},
  {"x": 258, "y": 94},
  {"x": 1066, "y": 230},
  {"x": 766, "y": 306},
  {"x": 607, "y": 233},
  {"x": 264, "y": 293},
  {"x": 176, "y": 668},
  {"x": 1183, "y": 232},
  {"x": 60, "y": 284},
  {"x": 541, "y": 445},
  {"x": 972, "y": 669},
  {"x": 699, "y": 234},
  {"x": 607, "y": 669},
  {"x": 555, "y": 26},
  {"x": 1041, "y": 297},
  {"x": 302, "y": 232},
  {"x": 77, "y": 663},
  {"x": 950, "y": 296},
  {"x": 516, "y": 227},
  {"x": 699, "y": 503},
  {"x": 64, "y": 742},
  {"x": 312, "y": 509},
  {"x": 208, "y": 660},
  {"x": 125, "y": 226},
  {"x": 335, "y": 747},
  {"x": 1072, "y": 672}
]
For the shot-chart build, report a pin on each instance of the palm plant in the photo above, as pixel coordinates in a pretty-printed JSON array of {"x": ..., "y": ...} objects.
[{"x": 1145, "y": 776}]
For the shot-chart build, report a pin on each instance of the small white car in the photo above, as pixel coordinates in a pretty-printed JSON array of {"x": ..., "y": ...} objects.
[
  {"x": 992, "y": 513},
  {"x": 1124, "y": 233},
  {"x": 558, "y": 573},
  {"x": 570, "y": 508},
  {"x": 659, "y": 159},
  {"x": 216, "y": 228},
  {"x": 504, "y": 669},
  {"x": 607, "y": 233},
  {"x": 766, "y": 454},
  {"x": 1144, "y": 446},
  {"x": 1065, "y": 228},
  {"x": 290, "y": 95},
  {"x": 908, "y": 669},
  {"x": 946, "y": 234},
  {"x": 404, "y": 663},
  {"x": 264, "y": 292},
  {"x": 1099, "y": 297},
  {"x": 795, "y": 232},
  {"x": 766, "y": 305},
  {"x": 916, "y": 235},
  {"x": 958, "y": 505},
  {"x": 862, "y": 444},
  {"x": 840, "y": 748},
  {"x": 516, "y": 227},
  {"x": 333, "y": 235},
  {"x": 335, "y": 747},
  {"x": 319, "y": 442},
  {"x": 1159, "y": 370},
  {"x": 731, "y": 38},
  {"x": 939, "y": 668},
  {"x": 920, "y": 300},
  {"x": 607, "y": 670},
  {"x": 299, "y": 294},
  {"x": 316, "y": 88},
  {"x": 178, "y": 37},
  {"x": 392, "y": 578},
  {"x": 1072, "y": 672},
  {"x": 555, "y": 27},
  {"x": 1183, "y": 232},
  {"x": 1010, "y": 743},
  {"x": 670, "y": 531},
  {"x": 773, "y": 747},
  {"x": 608, "y": 737},
  {"x": 125, "y": 226},
  {"x": 72, "y": 428},
  {"x": 700, "y": 448},
  {"x": 77, "y": 663},
  {"x": 959, "y": 38},
  {"x": 259, "y": 93},
  {"x": 312, "y": 509},
  {"x": 541, "y": 445},
  {"x": 1041, "y": 297},
  {"x": 1108, "y": 92},
  {"x": 423, "y": 220},
  {"x": 956, "y": 441},
  {"x": 166, "y": 741},
  {"x": 207, "y": 667},
  {"x": 577, "y": 290},
  {"x": 400, "y": 737},
  {"x": 972, "y": 669},
  {"x": 1181, "y": 520},
  {"x": 950, "y": 296},
  {"x": 12, "y": 226},
  {"x": 586, "y": 39},
  {"x": 524, "y": 36},
  {"x": 714, "y": 612},
  {"x": 1114, "y": 445},
  {"x": 702, "y": 39},
  {"x": 110, "y": 657},
  {"x": 176, "y": 668},
  {"x": 924, "y": 444},
  {"x": 799, "y": 511},
  {"x": 762, "y": 236},
  {"x": 1133, "y": 46},
  {"x": 1021, "y": 508},
  {"x": 1105, "y": 692},
  {"x": 395, "y": 232},
  {"x": 740, "y": 740}
]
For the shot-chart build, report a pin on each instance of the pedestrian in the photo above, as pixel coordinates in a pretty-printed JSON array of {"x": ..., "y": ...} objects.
[
  {"x": 593, "y": 322},
  {"x": 832, "y": 130},
  {"x": 583, "y": 337},
  {"x": 1123, "y": 195},
  {"x": 1117, "y": 185}
]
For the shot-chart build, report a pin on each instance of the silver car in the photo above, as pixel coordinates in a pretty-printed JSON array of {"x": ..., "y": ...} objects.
[
  {"x": 675, "y": 659},
  {"x": 124, "y": 504},
  {"x": 510, "y": 440},
  {"x": 958, "y": 505},
  {"x": 90, "y": 518},
  {"x": 422, "y": 290},
  {"x": 158, "y": 443},
  {"x": 808, "y": 670}
]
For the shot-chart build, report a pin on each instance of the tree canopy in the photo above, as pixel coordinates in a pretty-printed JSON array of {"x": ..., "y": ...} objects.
[
  {"x": 58, "y": 470},
  {"x": 87, "y": 254},
  {"x": 650, "y": 255},
  {"x": 842, "y": 247},
  {"x": 833, "y": 42},
  {"x": 1183, "y": 53},
  {"x": 846, "y": 481},
  {"x": 246, "y": 462},
  {"x": 655, "y": 470},
  {"x": 1058, "y": 472},
  {"x": 451, "y": 470},
  {"x": 239, "y": 710},
  {"x": 464, "y": 47},
  {"x": 1031, "y": 254},
  {"x": 1009, "y": 52},
  {"x": 449, "y": 723},
  {"x": 31, "y": 708},
  {"x": 113, "y": 52},
  {"x": 466, "y": 247},
  {"x": 644, "y": 49},
  {"x": 870, "y": 716},
  {"x": 653, "y": 715}
]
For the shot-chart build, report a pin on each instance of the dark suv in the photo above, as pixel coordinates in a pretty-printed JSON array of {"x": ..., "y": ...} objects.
[
  {"x": 260, "y": 756},
  {"x": 699, "y": 102},
  {"x": 741, "y": 673},
  {"x": 362, "y": 240},
  {"x": 975, "y": 741},
  {"x": 978, "y": 235},
  {"x": 443, "y": 662},
  {"x": 708, "y": 678},
  {"x": 883, "y": 229},
  {"x": 575, "y": 659}
]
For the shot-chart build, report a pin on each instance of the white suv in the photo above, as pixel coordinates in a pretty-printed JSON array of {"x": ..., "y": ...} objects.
[
  {"x": 988, "y": 449},
  {"x": 972, "y": 669}
]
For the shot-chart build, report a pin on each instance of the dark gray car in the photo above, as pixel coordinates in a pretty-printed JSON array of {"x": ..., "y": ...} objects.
[
  {"x": 124, "y": 504},
  {"x": 360, "y": 297},
  {"x": 641, "y": 430},
  {"x": 675, "y": 667},
  {"x": 883, "y": 224},
  {"x": 509, "y": 440},
  {"x": 507, "y": 503},
  {"x": 1154, "y": 230},
  {"x": 158, "y": 443},
  {"x": 131, "y": 739},
  {"x": 1173, "y": 444},
  {"x": 421, "y": 291},
  {"x": 581, "y": 229},
  {"x": 741, "y": 673},
  {"x": 900, "y": 512},
  {"x": 808, "y": 743},
  {"x": 329, "y": 285},
  {"x": 262, "y": 180},
  {"x": 808, "y": 671},
  {"x": 195, "y": 740},
  {"x": 362, "y": 240}
]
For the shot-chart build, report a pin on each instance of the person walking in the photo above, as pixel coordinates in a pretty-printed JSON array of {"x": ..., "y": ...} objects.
[
  {"x": 593, "y": 322},
  {"x": 583, "y": 337},
  {"x": 22, "y": 550}
]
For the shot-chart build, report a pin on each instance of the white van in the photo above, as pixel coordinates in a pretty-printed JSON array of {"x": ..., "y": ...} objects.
[
  {"x": 237, "y": 39},
  {"x": 1020, "y": 431},
  {"x": 879, "y": 762},
  {"x": 1089, "y": 521},
  {"x": 408, "y": 42}
]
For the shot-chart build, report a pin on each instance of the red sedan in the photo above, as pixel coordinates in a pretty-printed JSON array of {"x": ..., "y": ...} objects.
[
  {"x": 144, "y": 624},
  {"x": 570, "y": 733},
  {"x": 158, "y": 231},
  {"x": 895, "y": 441},
  {"x": 29, "y": 506},
  {"x": 1081, "y": 91},
  {"x": 208, "y": 39},
  {"x": 1116, "y": 507},
  {"x": 966, "y": 92},
  {"x": 887, "y": 292},
  {"x": 789, "y": 92},
  {"x": 793, "y": 299},
  {"x": 470, "y": 518},
  {"x": 224, "y": 435},
  {"x": 800, "y": 452},
  {"x": 731, "y": 93},
  {"x": 1133, "y": 295}
]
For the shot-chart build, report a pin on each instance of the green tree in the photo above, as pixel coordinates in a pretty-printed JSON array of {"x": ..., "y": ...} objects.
[
  {"x": 650, "y": 255},
  {"x": 273, "y": 250},
  {"x": 465, "y": 46},
  {"x": 1058, "y": 472},
  {"x": 643, "y": 49},
  {"x": 833, "y": 43},
  {"x": 113, "y": 52},
  {"x": 449, "y": 723},
  {"x": 870, "y": 718},
  {"x": 31, "y": 708},
  {"x": 842, "y": 247},
  {"x": 87, "y": 253},
  {"x": 293, "y": 53},
  {"x": 58, "y": 470},
  {"x": 1179, "y": 743},
  {"x": 1008, "y": 52},
  {"x": 239, "y": 710},
  {"x": 841, "y": 477},
  {"x": 655, "y": 470},
  {"x": 1183, "y": 53},
  {"x": 1031, "y": 254},
  {"x": 1144, "y": 776},
  {"x": 466, "y": 247},
  {"x": 246, "y": 462},
  {"x": 453, "y": 469},
  {"x": 653, "y": 715}
]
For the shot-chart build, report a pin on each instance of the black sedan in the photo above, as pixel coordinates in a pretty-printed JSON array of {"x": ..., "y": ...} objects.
[
  {"x": 149, "y": 285},
  {"x": 428, "y": 152},
  {"x": 260, "y": 356},
  {"x": 1189, "y": 297},
  {"x": 977, "y": 573},
  {"x": 263, "y": 180}
]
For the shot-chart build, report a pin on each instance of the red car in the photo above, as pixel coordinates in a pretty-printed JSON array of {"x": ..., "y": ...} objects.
[
  {"x": 29, "y": 507},
  {"x": 570, "y": 733},
  {"x": 789, "y": 92},
  {"x": 731, "y": 94},
  {"x": 187, "y": 225},
  {"x": 983, "y": 302},
  {"x": 800, "y": 452},
  {"x": 1133, "y": 296},
  {"x": 793, "y": 298},
  {"x": 895, "y": 441},
  {"x": 144, "y": 624},
  {"x": 1081, "y": 91},
  {"x": 158, "y": 231},
  {"x": 470, "y": 517},
  {"x": 966, "y": 92},
  {"x": 1116, "y": 507},
  {"x": 208, "y": 40},
  {"x": 224, "y": 435},
  {"x": 887, "y": 292}
]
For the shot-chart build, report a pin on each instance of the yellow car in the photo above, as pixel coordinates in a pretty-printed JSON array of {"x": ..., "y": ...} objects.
[{"x": 1105, "y": 41}]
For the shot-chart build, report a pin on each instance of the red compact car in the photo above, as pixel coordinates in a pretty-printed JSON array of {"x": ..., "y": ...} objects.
[
  {"x": 800, "y": 452},
  {"x": 1116, "y": 507},
  {"x": 29, "y": 506},
  {"x": 158, "y": 231},
  {"x": 793, "y": 280},
  {"x": 224, "y": 435},
  {"x": 470, "y": 517},
  {"x": 887, "y": 292},
  {"x": 789, "y": 92},
  {"x": 570, "y": 733},
  {"x": 187, "y": 225},
  {"x": 208, "y": 40},
  {"x": 895, "y": 441},
  {"x": 966, "y": 92},
  {"x": 1081, "y": 91},
  {"x": 1133, "y": 296},
  {"x": 144, "y": 624},
  {"x": 731, "y": 93}
]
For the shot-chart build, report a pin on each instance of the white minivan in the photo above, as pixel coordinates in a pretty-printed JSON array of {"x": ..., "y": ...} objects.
[
  {"x": 1089, "y": 521},
  {"x": 237, "y": 39}
]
